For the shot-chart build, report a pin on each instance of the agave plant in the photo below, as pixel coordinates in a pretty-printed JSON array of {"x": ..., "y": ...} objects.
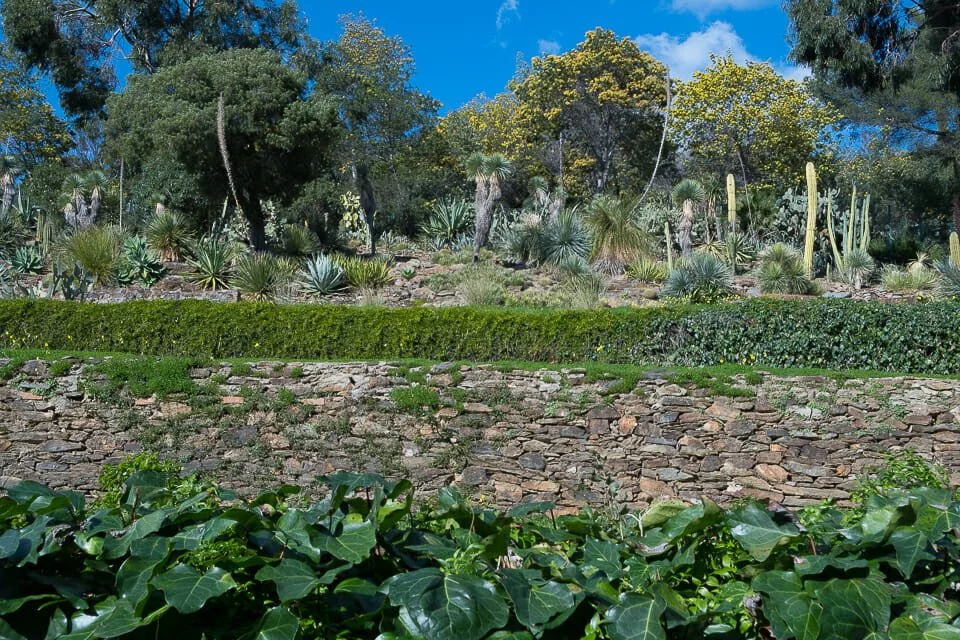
[
  {"x": 212, "y": 262},
  {"x": 617, "y": 239},
  {"x": 139, "y": 263},
  {"x": 949, "y": 279},
  {"x": 450, "y": 220},
  {"x": 169, "y": 234},
  {"x": 13, "y": 232},
  {"x": 322, "y": 276},
  {"x": 27, "y": 260},
  {"x": 701, "y": 278}
]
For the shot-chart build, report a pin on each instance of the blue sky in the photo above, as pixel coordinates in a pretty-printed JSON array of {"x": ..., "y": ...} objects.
[{"x": 465, "y": 48}]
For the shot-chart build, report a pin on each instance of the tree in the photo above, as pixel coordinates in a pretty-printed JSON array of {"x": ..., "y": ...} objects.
[
  {"x": 9, "y": 170},
  {"x": 382, "y": 112},
  {"x": 596, "y": 103},
  {"x": 30, "y": 132},
  {"x": 749, "y": 120},
  {"x": 84, "y": 195},
  {"x": 689, "y": 193},
  {"x": 488, "y": 172},
  {"x": 79, "y": 42},
  {"x": 278, "y": 136},
  {"x": 893, "y": 67}
]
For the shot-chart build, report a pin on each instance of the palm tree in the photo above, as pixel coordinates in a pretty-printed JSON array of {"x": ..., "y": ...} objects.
[
  {"x": 96, "y": 183},
  {"x": 488, "y": 172},
  {"x": 689, "y": 192},
  {"x": 9, "y": 170}
]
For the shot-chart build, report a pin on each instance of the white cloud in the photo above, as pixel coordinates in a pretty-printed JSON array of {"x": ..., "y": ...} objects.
[
  {"x": 684, "y": 56},
  {"x": 508, "y": 9},
  {"x": 703, "y": 8},
  {"x": 548, "y": 47}
]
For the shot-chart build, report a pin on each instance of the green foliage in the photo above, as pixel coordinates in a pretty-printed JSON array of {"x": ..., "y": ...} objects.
[
  {"x": 647, "y": 271},
  {"x": 617, "y": 238},
  {"x": 481, "y": 285},
  {"x": 96, "y": 249},
  {"x": 144, "y": 377},
  {"x": 27, "y": 260},
  {"x": 113, "y": 477},
  {"x": 949, "y": 279},
  {"x": 262, "y": 276},
  {"x": 185, "y": 557},
  {"x": 13, "y": 233},
  {"x": 169, "y": 234},
  {"x": 583, "y": 290},
  {"x": 450, "y": 220},
  {"x": 212, "y": 262},
  {"x": 365, "y": 274},
  {"x": 415, "y": 399},
  {"x": 901, "y": 471},
  {"x": 782, "y": 271},
  {"x": 701, "y": 278},
  {"x": 72, "y": 284},
  {"x": 138, "y": 263},
  {"x": 818, "y": 333},
  {"x": 562, "y": 239},
  {"x": 322, "y": 276},
  {"x": 917, "y": 277},
  {"x": 297, "y": 241}
]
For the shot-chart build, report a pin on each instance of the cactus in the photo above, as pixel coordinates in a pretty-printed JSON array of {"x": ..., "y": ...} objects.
[
  {"x": 666, "y": 234},
  {"x": 856, "y": 240},
  {"x": 811, "y": 219},
  {"x": 955, "y": 249},
  {"x": 731, "y": 202}
]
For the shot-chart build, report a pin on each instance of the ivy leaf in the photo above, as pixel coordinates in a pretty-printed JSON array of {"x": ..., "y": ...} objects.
[
  {"x": 792, "y": 612},
  {"x": 133, "y": 579},
  {"x": 440, "y": 607},
  {"x": 278, "y": 624},
  {"x": 905, "y": 628},
  {"x": 604, "y": 556},
  {"x": 7, "y": 632},
  {"x": 294, "y": 580},
  {"x": 187, "y": 591},
  {"x": 13, "y": 605},
  {"x": 536, "y": 602},
  {"x": 353, "y": 544},
  {"x": 911, "y": 547},
  {"x": 636, "y": 617},
  {"x": 753, "y": 528},
  {"x": 855, "y": 608}
]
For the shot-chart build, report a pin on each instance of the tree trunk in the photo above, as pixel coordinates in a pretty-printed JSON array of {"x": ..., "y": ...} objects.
[
  {"x": 253, "y": 211},
  {"x": 956, "y": 212},
  {"x": 368, "y": 203},
  {"x": 686, "y": 229},
  {"x": 6, "y": 181}
]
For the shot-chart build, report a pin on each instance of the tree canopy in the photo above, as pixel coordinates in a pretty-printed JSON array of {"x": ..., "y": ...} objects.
[{"x": 277, "y": 135}]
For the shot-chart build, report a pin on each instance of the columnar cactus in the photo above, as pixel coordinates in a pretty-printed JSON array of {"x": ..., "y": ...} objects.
[
  {"x": 811, "y": 219},
  {"x": 955, "y": 249},
  {"x": 731, "y": 202},
  {"x": 666, "y": 235}
]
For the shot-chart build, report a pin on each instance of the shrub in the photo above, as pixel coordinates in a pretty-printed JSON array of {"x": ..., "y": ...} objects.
[
  {"x": 262, "y": 276},
  {"x": 96, "y": 249},
  {"x": 298, "y": 242},
  {"x": 13, "y": 233},
  {"x": 212, "y": 262},
  {"x": 647, "y": 271},
  {"x": 701, "y": 278},
  {"x": 450, "y": 220},
  {"x": 583, "y": 291},
  {"x": 562, "y": 239},
  {"x": 916, "y": 277},
  {"x": 857, "y": 268},
  {"x": 617, "y": 238},
  {"x": 481, "y": 285},
  {"x": 322, "y": 276},
  {"x": 361, "y": 273},
  {"x": 169, "y": 234},
  {"x": 27, "y": 260},
  {"x": 781, "y": 271}
]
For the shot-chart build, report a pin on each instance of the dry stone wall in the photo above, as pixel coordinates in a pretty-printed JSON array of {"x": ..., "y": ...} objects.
[{"x": 509, "y": 436}]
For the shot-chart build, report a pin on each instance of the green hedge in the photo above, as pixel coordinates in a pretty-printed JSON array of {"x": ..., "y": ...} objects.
[{"x": 920, "y": 338}]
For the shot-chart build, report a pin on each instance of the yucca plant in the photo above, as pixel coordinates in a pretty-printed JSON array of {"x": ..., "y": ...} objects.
[
  {"x": 261, "y": 276},
  {"x": 6, "y": 280},
  {"x": 702, "y": 278},
  {"x": 647, "y": 271},
  {"x": 322, "y": 276},
  {"x": 562, "y": 239},
  {"x": 617, "y": 239},
  {"x": 212, "y": 262},
  {"x": 13, "y": 233},
  {"x": 139, "y": 263},
  {"x": 949, "y": 286},
  {"x": 449, "y": 220},
  {"x": 782, "y": 271},
  {"x": 371, "y": 274},
  {"x": 96, "y": 249},
  {"x": 169, "y": 234},
  {"x": 858, "y": 266},
  {"x": 689, "y": 193},
  {"x": 27, "y": 260},
  {"x": 298, "y": 242}
]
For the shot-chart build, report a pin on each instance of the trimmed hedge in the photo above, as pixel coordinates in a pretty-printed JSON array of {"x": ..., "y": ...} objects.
[{"x": 918, "y": 338}]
